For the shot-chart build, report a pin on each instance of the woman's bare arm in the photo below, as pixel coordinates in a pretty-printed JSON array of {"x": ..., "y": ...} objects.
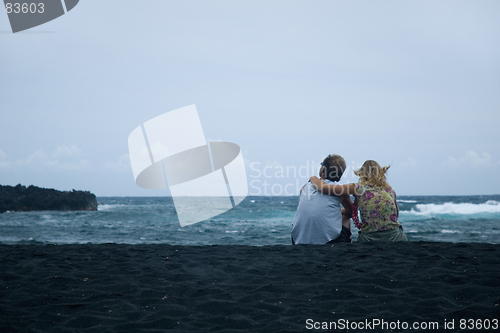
[{"x": 396, "y": 202}]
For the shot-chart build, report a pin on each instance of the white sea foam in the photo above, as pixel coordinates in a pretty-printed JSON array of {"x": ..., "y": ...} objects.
[
  {"x": 449, "y": 208},
  {"x": 447, "y": 231},
  {"x": 407, "y": 201},
  {"x": 108, "y": 207}
]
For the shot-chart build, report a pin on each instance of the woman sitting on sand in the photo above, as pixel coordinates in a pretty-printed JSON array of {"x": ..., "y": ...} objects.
[{"x": 376, "y": 201}]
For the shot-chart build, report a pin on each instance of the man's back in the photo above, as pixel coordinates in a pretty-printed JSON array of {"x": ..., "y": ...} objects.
[{"x": 318, "y": 219}]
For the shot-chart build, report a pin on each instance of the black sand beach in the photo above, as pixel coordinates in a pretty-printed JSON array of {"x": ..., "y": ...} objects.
[{"x": 154, "y": 288}]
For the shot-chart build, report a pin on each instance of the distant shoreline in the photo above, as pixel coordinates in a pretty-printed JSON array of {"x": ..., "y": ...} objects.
[{"x": 20, "y": 198}]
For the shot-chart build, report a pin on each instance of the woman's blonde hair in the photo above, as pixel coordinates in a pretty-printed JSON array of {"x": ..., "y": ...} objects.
[{"x": 372, "y": 173}]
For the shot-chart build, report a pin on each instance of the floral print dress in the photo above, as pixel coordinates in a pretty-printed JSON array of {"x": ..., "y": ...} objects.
[{"x": 377, "y": 207}]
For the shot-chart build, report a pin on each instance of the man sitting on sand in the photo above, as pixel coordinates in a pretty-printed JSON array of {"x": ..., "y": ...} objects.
[{"x": 319, "y": 219}]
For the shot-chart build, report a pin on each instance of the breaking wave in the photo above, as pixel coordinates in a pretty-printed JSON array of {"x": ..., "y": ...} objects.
[{"x": 449, "y": 208}]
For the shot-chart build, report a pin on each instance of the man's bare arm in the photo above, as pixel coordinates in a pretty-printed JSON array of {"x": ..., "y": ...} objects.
[
  {"x": 338, "y": 190},
  {"x": 347, "y": 203}
]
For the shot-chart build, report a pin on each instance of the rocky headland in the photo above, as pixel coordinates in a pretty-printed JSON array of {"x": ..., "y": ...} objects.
[{"x": 22, "y": 198}]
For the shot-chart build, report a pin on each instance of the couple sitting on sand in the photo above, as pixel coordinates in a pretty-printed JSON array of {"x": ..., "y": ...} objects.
[{"x": 320, "y": 220}]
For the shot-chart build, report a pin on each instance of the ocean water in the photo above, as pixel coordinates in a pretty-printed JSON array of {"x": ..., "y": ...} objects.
[{"x": 256, "y": 221}]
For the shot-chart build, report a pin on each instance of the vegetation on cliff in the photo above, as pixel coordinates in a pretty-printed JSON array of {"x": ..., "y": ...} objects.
[{"x": 22, "y": 198}]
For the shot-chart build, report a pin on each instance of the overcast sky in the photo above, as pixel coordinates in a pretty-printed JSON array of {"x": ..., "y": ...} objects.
[{"x": 411, "y": 84}]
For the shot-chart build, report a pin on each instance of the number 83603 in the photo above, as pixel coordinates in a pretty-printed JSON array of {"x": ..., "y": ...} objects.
[{"x": 24, "y": 8}]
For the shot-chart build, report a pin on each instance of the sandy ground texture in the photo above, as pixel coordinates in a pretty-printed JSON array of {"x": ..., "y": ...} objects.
[{"x": 302, "y": 288}]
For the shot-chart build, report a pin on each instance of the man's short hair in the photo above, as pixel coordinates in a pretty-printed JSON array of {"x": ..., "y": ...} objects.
[{"x": 334, "y": 167}]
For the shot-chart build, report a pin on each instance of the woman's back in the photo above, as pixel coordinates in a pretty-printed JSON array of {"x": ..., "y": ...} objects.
[{"x": 377, "y": 207}]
